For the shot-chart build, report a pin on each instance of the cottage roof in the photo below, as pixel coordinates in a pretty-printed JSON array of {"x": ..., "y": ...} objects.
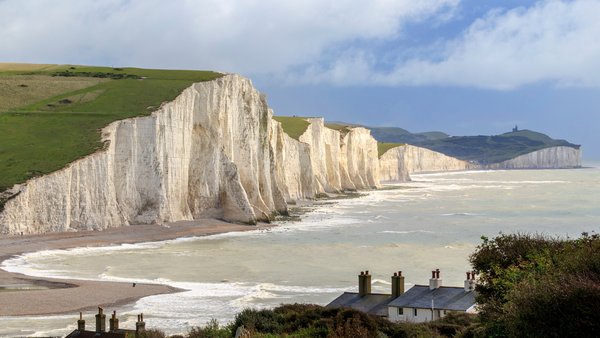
[
  {"x": 375, "y": 303},
  {"x": 92, "y": 334},
  {"x": 444, "y": 298}
]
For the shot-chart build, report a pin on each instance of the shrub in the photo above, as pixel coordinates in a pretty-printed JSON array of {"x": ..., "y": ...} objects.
[
  {"x": 211, "y": 330},
  {"x": 535, "y": 286}
]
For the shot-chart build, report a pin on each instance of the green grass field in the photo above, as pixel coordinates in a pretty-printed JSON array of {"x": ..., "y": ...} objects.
[
  {"x": 293, "y": 126},
  {"x": 382, "y": 147},
  {"x": 43, "y": 130},
  {"x": 340, "y": 128}
]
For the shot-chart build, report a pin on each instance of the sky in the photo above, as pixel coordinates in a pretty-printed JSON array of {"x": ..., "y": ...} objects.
[{"x": 464, "y": 67}]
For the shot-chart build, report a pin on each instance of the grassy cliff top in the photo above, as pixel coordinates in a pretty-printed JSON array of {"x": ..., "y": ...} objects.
[
  {"x": 293, "y": 126},
  {"x": 51, "y": 115},
  {"x": 382, "y": 147}
]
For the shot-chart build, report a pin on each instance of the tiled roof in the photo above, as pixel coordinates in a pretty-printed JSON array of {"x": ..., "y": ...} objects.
[
  {"x": 444, "y": 298},
  {"x": 374, "y": 303}
]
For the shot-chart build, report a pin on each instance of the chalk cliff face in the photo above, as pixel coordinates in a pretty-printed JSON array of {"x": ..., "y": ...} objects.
[
  {"x": 397, "y": 163},
  {"x": 293, "y": 165},
  {"x": 206, "y": 154},
  {"x": 549, "y": 158},
  {"x": 359, "y": 159},
  {"x": 323, "y": 160}
]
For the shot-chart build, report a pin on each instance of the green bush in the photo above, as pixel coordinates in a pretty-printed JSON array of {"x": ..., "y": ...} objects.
[{"x": 536, "y": 286}]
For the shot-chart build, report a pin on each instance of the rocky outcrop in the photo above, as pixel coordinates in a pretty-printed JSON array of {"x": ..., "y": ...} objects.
[
  {"x": 549, "y": 158},
  {"x": 397, "y": 163}
]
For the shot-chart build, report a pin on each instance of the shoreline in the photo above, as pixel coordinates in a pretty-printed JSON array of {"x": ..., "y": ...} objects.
[{"x": 70, "y": 296}]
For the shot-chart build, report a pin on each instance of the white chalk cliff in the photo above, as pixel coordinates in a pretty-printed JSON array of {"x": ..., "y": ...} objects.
[
  {"x": 204, "y": 155},
  {"x": 216, "y": 152},
  {"x": 397, "y": 163},
  {"x": 549, "y": 158}
]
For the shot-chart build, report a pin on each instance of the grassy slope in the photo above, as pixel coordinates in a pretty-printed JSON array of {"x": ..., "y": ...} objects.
[
  {"x": 382, "y": 147},
  {"x": 39, "y": 139},
  {"x": 395, "y": 134},
  {"x": 493, "y": 149},
  {"x": 340, "y": 128},
  {"x": 293, "y": 126}
]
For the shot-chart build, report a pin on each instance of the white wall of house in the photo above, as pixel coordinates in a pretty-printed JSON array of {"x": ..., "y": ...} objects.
[{"x": 408, "y": 314}]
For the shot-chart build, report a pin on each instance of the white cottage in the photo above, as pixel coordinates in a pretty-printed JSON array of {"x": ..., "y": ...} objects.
[{"x": 430, "y": 302}]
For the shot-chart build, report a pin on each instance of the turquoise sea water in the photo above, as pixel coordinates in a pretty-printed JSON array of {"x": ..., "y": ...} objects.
[{"x": 434, "y": 222}]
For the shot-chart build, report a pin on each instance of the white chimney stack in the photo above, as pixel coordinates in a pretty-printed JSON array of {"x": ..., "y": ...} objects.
[
  {"x": 435, "y": 282},
  {"x": 470, "y": 282}
]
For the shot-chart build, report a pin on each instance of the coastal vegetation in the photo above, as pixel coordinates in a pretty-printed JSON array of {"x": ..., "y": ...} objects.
[
  {"x": 314, "y": 321},
  {"x": 538, "y": 286},
  {"x": 52, "y": 115}
]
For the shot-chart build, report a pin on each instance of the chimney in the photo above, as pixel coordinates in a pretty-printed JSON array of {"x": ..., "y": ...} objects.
[
  {"x": 114, "y": 322},
  {"x": 100, "y": 320},
  {"x": 364, "y": 284},
  {"x": 81, "y": 323},
  {"x": 435, "y": 282},
  {"x": 140, "y": 325},
  {"x": 397, "y": 285},
  {"x": 468, "y": 283}
]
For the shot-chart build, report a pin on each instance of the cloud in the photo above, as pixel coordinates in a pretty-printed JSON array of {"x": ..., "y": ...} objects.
[
  {"x": 555, "y": 41},
  {"x": 244, "y": 36}
]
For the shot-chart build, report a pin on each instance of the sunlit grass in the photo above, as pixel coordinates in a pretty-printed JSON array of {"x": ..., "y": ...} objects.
[
  {"x": 63, "y": 124},
  {"x": 382, "y": 147},
  {"x": 293, "y": 126}
]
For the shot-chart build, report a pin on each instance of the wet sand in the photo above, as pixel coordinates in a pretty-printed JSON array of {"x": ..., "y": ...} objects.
[{"x": 68, "y": 296}]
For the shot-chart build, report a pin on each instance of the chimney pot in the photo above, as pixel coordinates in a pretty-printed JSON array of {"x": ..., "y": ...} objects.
[
  {"x": 437, "y": 273},
  {"x": 100, "y": 320},
  {"x": 81, "y": 323},
  {"x": 432, "y": 274},
  {"x": 367, "y": 272},
  {"x": 362, "y": 272},
  {"x": 395, "y": 274},
  {"x": 468, "y": 275},
  {"x": 399, "y": 273},
  {"x": 473, "y": 275}
]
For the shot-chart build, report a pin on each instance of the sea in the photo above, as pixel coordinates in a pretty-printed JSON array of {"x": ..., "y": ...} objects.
[{"x": 434, "y": 222}]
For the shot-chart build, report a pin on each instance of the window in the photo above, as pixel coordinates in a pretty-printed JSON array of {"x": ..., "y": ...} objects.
[
  {"x": 400, "y": 311},
  {"x": 415, "y": 312},
  {"x": 439, "y": 313},
  {"x": 444, "y": 312}
]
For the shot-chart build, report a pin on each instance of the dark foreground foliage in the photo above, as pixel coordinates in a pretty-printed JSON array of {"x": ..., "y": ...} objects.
[
  {"x": 538, "y": 286},
  {"x": 308, "y": 321}
]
